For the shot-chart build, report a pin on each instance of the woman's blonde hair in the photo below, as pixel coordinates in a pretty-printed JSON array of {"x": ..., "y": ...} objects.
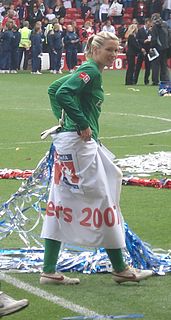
[
  {"x": 131, "y": 29},
  {"x": 97, "y": 40}
]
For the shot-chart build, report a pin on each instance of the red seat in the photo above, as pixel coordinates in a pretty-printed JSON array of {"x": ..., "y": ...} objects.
[
  {"x": 80, "y": 21},
  {"x": 128, "y": 15},
  {"x": 71, "y": 10},
  {"x": 127, "y": 21},
  {"x": 78, "y": 15},
  {"x": 70, "y": 16},
  {"x": 67, "y": 21},
  {"x": 129, "y": 10}
]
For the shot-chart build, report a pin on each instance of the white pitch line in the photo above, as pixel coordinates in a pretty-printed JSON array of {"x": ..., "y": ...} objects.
[
  {"x": 24, "y": 109},
  {"x": 47, "y": 296},
  {"x": 108, "y": 138},
  {"x": 137, "y": 135},
  {"x": 138, "y": 115}
]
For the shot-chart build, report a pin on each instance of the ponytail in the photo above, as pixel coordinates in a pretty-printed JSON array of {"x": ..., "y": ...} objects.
[{"x": 97, "y": 40}]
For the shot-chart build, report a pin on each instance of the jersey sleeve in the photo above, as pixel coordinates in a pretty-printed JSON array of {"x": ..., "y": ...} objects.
[
  {"x": 53, "y": 88},
  {"x": 72, "y": 88}
]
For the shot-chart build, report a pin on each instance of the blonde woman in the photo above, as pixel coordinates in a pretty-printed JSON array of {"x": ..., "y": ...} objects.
[
  {"x": 133, "y": 48},
  {"x": 83, "y": 206},
  {"x": 55, "y": 42}
]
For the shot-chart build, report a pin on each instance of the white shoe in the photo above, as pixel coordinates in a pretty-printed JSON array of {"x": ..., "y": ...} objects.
[
  {"x": 131, "y": 274},
  {"x": 38, "y": 72},
  {"x": 71, "y": 71},
  {"x": 57, "y": 278},
  {"x": 10, "y": 305},
  {"x": 60, "y": 71},
  {"x": 13, "y": 71},
  {"x": 54, "y": 72}
]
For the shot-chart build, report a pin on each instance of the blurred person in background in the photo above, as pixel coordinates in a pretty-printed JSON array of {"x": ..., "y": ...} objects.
[
  {"x": 55, "y": 42},
  {"x": 11, "y": 15},
  {"x": 77, "y": 31},
  {"x": 22, "y": 11},
  {"x": 63, "y": 25},
  {"x": 153, "y": 6},
  {"x": 116, "y": 11},
  {"x": 166, "y": 10},
  {"x": 159, "y": 41},
  {"x": 6, "y": 37},
  {"x": 85, "y": 32},
  {"x": 1, "y": 46},
  {"x": 133, "y": 48},
  {"x": 35, "y": 15},
  {"x": 169, "y": 22},
  {"x": 41, "y": 6},
  {"x": 24, "y": 45},
  {"x": 59, "y": 9},
  {"x": 50, "y": 15},
  {"x": 108, "y": 27},
  {"x": 15, "y": 49},
  {"x": 67, "y": 4},
  {"x": 121, "y": 35},
  {"x": 36, "y": 48},
  {"x": 140, "y": 11},
  {"x": 95, "y": 8},
  {"x": 71, "y": 41},
  {"x": 144, "y": 40},
  {"x": 2, "y": 11},
  {"x": 104, "y": 11},
  {"x": 85, "y": 10}
]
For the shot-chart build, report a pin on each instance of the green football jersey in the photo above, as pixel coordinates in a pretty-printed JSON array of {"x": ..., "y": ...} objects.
[{"x": 80, "y": 95}]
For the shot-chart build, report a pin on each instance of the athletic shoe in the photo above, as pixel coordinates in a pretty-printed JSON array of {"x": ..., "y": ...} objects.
[
  {"x": 36, "y": 72},
  {"x": 9, "y": 305},
  {"x": 59, "y": 71},
  {"x": 131, "y": 274},
  {"x": 57, "y": 278}
]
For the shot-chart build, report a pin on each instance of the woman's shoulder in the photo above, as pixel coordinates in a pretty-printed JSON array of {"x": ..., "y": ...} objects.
[{"x": 89, "y": 65}]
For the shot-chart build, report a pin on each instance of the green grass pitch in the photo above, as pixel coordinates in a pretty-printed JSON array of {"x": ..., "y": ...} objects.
[{"x": 134, "y": 121}]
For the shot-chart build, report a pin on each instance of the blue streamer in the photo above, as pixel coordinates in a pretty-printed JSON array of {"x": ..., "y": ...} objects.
[{"x": 32, "y": 195}]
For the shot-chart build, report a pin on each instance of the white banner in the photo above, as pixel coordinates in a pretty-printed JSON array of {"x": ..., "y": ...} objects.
[{"x": 83, "y": 206}]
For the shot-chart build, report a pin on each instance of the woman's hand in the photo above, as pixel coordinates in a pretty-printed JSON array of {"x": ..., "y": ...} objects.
[{"x": 86, "y": 134}]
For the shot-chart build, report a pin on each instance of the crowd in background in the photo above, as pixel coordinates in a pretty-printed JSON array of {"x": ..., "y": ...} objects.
[{"x": 28, "y": 28}]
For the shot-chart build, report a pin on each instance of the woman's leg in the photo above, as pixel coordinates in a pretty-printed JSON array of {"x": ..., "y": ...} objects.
[
  {"x": 52, "y": 248},
  {"x": 49, "y": 275},
  {"x": 116, "y": 258},
  {"x": 123, "y": 273}
]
